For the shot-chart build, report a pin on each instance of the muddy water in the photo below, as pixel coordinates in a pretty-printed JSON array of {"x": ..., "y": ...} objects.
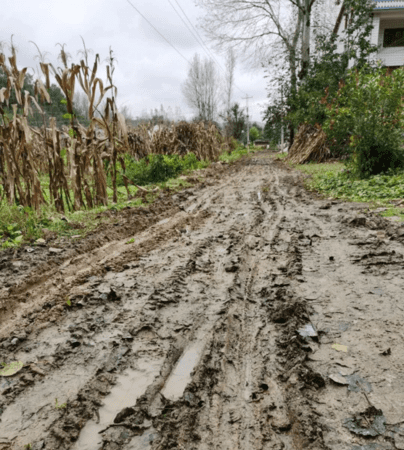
[
  {"x": 181, "y": 375},
  {"x": 129, "y": 387},
  {"x": 205, "y": 309}
]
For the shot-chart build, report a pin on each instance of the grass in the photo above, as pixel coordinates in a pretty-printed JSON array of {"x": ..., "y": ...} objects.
[
  {"x": 237, "y": 154},
  {"x": 379, "y": 190},
  {"x": 19, "y": 225}
]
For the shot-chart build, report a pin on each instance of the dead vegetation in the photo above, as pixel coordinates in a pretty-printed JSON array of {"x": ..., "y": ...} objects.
[
  {"x": 76, "y": 162},
  {"x": 309, "y": 145}
]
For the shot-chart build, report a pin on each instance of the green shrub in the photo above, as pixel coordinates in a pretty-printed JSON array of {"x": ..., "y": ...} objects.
[
  {"x": 254, "y": 134},
  {"x": 366, "y": 117},
  {"x": 158, "y": 168}
]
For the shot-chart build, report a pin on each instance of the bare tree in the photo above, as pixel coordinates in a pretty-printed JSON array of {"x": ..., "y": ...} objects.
[
  {"x": 202, "y": 88},
  {"x": 230, "y": 66},
  {"x": 81, "y": 104},
  {"x": 259, "y": 30}
]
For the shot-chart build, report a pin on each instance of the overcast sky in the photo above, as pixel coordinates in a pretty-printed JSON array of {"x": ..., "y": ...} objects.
[{"x": 149, "y": 72}]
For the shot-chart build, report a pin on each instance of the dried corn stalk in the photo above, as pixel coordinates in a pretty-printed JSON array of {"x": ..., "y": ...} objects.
[{"x": 309, "y": 145}]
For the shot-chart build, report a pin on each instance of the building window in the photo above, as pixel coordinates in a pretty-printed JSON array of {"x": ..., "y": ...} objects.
[{"x": 393, "y": 37}]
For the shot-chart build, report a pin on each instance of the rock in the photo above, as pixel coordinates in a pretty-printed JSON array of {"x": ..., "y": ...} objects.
[
  {"x": 55, "y": 250},
  {"x": 358, "y": 221},
  {"x": 14, "y": 341}
]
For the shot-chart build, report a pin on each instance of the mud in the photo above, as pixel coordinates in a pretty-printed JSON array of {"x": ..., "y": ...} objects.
[{"x": 215, "y": 329}]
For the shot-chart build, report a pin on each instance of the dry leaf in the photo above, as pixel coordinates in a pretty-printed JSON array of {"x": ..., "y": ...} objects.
[
  {"x": 340, "y": 348},
  {"x": 10, "y": 369}
]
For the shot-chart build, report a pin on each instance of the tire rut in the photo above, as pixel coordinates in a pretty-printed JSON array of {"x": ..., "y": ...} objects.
[{"x": 189, "y": 338}]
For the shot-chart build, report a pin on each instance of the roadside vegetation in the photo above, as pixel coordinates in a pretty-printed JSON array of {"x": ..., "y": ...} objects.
[
  {"x": 22, "y": 225},
  {"x": 333, "y": 180},
  {"x": 57, "y": 180},
  {"x": 347, "y": 108}
]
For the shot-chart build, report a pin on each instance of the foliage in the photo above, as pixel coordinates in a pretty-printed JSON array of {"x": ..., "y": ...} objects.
[
  {"x": 326, "y": 70},
  {"x": 77, "y": 160},
  {"x": 159, "y": 168},
  {"x": 11, "y": 235},
  {"x": 328, "y": 67},
  {"x": 235, "y": 120},
  {"x": 378, "y": 190},
  {"x": 52, "y": 109},
  {"x": 367, "y": 116},
  {"x": 254, "y": 134}
]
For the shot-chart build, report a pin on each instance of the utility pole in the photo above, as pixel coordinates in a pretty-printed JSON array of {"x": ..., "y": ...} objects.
[
  {"x": 282, "y": 132},
  {"x": 248, "y": 120}
]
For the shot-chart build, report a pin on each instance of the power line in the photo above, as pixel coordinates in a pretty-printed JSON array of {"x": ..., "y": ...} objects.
[
  {"x": 188, "y": 27},
  {"x": 197, "y": 33},
  {"x": 157, "y": 31},
  {"x": 202, "y": 41},
  {"x": 172, "y": 45}
]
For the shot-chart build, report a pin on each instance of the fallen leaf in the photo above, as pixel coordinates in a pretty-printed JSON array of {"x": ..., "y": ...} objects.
[
  {"x": 340, "y": 348},
  {"x": 10, "y": 369}
]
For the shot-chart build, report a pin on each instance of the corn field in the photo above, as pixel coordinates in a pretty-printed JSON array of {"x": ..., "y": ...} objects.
[{"x": 77, "y": 161}]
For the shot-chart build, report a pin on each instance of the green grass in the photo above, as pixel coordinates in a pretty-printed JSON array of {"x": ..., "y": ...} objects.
[
  {"x": 378, "y": 190},
  {"x": 238, "y": 153}
]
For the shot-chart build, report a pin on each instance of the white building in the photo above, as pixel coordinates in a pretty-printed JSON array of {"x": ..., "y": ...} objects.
[{"x": 388, "y": 31}]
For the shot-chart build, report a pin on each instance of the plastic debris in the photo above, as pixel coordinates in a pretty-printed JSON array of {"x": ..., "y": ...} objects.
[
  {"x": 358, "y": 384},
  {"x": 369, "y": 423},
  {"x": 308, "y": 331},
  {"x": 343, "y": 326},
  {"x": 340, "y": 348},
  {"x": 10, "y": 369}
]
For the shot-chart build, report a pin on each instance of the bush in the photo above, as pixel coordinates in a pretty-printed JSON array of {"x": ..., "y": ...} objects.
[
  {"x": 158, "y": 168},
  {"x": 254, "y": 134},
  {"x": 366, "y": 118}
]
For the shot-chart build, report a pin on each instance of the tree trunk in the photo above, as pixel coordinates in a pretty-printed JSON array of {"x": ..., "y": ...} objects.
[{"x": 306, "y": 38}]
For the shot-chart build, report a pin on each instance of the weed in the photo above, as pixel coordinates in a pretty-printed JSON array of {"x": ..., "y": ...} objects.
[
  {"x": 68, "y": 301},
  {"x": 378, "y": 190},
  {"x": 28, "y": 446},
  {"x": 57, "y": 406},
  {"x": 131, "y": 241}
]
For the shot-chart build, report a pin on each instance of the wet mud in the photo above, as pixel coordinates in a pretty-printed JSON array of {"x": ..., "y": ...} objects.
[{"x": 248, "y": 314}]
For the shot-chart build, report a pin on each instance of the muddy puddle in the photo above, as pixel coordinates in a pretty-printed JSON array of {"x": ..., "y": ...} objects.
[
  {"x": 129, "y": 387},
  {"x": 181, "y": 375}
]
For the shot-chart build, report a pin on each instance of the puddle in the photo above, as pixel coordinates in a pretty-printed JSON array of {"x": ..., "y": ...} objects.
[
  {"x": 29, "y": 417},
  {"x": 130, "y": 385},
  {"x": 181, "y": 375}
]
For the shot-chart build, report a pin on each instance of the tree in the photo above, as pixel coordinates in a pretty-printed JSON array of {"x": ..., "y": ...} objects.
[
  {"x": 254, "y": 134},
  {"x": 202, "y": 87},
  {"x": 237, "y": 121},
  {"x": 261, "y": 29},
  {"x": 230, "y": 66},
  {"x": 81, "y": 104}
]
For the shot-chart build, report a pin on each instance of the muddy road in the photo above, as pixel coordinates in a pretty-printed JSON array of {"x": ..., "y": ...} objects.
[{"x": 215, "y": 329}]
